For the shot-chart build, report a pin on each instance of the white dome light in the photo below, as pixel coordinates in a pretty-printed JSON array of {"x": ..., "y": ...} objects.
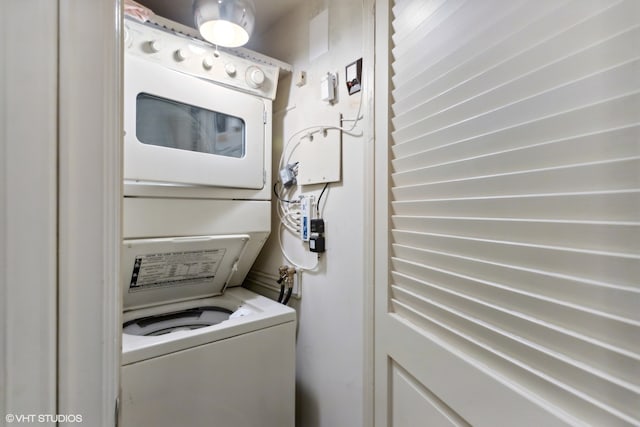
[{"x": 227, "y": 23}]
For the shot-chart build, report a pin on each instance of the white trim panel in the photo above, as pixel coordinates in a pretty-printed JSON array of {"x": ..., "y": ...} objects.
[
  {"x": 90, "y": 209},
  {"x": 28, "y": 219}
]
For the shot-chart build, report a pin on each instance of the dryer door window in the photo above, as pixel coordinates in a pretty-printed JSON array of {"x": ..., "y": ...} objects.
[{"x": 167, "y": 123}]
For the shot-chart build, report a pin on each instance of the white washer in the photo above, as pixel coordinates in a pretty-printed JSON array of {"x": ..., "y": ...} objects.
[{"x": 193, "y": 355}]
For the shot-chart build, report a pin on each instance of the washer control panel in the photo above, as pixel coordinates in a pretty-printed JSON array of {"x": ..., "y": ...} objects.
[{"x": 199, "y": 59}]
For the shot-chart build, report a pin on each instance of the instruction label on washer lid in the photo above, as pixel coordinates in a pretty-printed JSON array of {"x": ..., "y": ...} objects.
[{"x": 174, "y": 269}]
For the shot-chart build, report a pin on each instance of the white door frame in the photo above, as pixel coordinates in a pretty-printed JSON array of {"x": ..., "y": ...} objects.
[
  {"x": 368, "y": 250},
  {"x": 381, "y": 224},
  {"x": 90, "y": 194},
  {"x": 60, "y": 197}
]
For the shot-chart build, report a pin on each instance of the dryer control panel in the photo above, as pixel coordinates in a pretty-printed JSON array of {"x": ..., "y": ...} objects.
[{"x": 200, "y": 59}]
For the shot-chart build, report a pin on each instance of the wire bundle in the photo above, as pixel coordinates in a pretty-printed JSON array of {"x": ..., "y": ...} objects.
[{"x": 288, "y": 207}]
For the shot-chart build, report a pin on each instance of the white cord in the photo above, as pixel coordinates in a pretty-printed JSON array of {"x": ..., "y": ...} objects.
[
  {"x": 300, "y": 267},
  {"x": 311, "y": 130},
  {"x": 291, "y": 220},
  {"x": 288, "y": 219},
  {"x": 291, "y": 228},
  {"x": 358, "y": 116},
  {"x": 291, "y": 224}
]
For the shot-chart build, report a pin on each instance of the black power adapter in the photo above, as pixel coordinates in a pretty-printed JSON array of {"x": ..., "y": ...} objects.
[
  {"x": 317, "y": 225},
  {"x": 316, "y": 244},
  {"x": 316, "y": 241}
]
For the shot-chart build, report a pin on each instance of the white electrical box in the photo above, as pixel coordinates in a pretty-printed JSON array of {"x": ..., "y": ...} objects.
[
  {"x": 328, "y": 88},
  {"x": 306, "y": 215},
  {"x": 320, "y": 157}
]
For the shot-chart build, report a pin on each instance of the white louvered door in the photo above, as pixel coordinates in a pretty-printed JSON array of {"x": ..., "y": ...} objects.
[{"x": 508, "y": 243}]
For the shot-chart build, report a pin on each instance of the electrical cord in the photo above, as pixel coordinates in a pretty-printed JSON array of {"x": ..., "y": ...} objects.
[
  {"x": 289, "y": 209},
  {"x": 275, "y": 191},
  {"x": 300, "y": 267},
  {"x": 358, "y": 116},
  {"x": 290, "y": 220},
  {"x": 289, "y": 226},
  {"x": 320, "y": 198},
  {"x": 311, "y": 130}
]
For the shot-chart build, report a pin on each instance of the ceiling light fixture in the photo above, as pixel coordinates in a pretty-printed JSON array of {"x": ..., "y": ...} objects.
[{"x": 227, "y": 23}]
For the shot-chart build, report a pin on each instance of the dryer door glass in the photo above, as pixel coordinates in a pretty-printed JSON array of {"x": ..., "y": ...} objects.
[{"x": 167, "y": 123}]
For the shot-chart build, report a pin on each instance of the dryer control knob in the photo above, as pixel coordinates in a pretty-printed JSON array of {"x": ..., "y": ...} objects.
[
  {"x": 207, "y": 63},
  {"x": 154, "y": 45},
  {"x": 255, "y": 77},
  {"x": 182, "y": 54},
  {"x": 230, "y": 69}
]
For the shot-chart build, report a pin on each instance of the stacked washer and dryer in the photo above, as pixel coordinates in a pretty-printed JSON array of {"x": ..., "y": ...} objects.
[{"x": 197, "y": 348}]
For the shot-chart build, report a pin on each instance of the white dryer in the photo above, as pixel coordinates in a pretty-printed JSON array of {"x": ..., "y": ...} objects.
[{"x": 193, "y": 355}]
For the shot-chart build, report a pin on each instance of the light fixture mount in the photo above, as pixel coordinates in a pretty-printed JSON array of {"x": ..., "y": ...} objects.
[{"x": 227, "y": 23}]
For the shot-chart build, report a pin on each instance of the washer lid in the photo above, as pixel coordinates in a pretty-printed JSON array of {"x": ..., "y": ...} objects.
[{"x": 164, "y": 270}]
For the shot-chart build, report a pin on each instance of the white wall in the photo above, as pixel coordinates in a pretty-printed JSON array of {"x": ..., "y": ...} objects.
[{"x": 331, "y": 340}]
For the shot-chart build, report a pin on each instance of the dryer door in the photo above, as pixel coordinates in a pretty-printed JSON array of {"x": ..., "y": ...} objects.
[{"x": 185, "y": 130}]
